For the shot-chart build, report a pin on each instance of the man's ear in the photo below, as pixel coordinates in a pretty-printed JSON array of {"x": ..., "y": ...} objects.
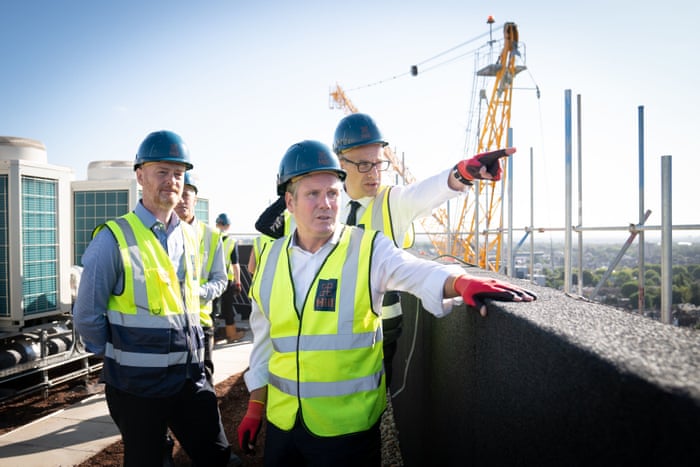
[
  {"x": 288, "y": 198},
  {"x": 139, "y": 176}
]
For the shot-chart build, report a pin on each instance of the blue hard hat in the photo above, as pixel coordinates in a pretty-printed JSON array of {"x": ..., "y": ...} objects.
[
  {"x": 356, "y": 130},
  {"x": 163, "y": 146},
  {"x": 189, "y": 180},
  {"x": 222, "y": 219},
  {"x": 304, "y": 158}
]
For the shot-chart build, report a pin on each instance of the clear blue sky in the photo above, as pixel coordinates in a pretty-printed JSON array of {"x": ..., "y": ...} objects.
[{"x": 241, "y": 81}]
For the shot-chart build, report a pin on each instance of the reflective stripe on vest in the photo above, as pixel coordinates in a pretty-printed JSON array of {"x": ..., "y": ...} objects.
[
  {"x": 377, "y": 216},
  {"x": 327, "y": 359},
  {"x": 208, "y": 240},
  {"x": 154, "y": 341}
]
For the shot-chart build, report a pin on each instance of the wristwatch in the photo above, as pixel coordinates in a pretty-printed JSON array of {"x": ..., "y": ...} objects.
[{"x": 459, "y": 177}]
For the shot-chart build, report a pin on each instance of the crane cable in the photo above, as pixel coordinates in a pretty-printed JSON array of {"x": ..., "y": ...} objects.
[{"x": 414, "y": 69}]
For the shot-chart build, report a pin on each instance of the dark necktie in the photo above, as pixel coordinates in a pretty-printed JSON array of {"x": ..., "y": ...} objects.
[{"x": 352, "y": 215}]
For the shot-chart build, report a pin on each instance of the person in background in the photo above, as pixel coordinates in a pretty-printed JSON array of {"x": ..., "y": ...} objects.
[
  {"x": 212, "y": 277},
  {"x": 233, "y": 269},
  {"x": 316, "y": 365},
  {"x": 138, "y": 308},
  {"x": 390, "y": 209}
]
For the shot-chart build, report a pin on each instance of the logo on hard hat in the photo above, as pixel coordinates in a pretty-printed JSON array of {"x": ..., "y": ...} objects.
[
  {"x": 323, "y": 158},
  {"x": 174, "y": 150},
  {"x": 364, "y": 131}
]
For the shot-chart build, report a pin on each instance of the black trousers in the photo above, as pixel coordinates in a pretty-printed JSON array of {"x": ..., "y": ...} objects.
[
  {"x": 299, "y": 447},
  {"x": 208, "y": 349},
  {"x": 192, "y": 416}
]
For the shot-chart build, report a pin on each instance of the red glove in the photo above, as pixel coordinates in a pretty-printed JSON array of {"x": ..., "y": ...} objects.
[
  {"x": 484, "y": 166},
  {"x": 475, "y": 289},
  {"x": 250, "y": 426},
  {"x": 237, "y": 288}
]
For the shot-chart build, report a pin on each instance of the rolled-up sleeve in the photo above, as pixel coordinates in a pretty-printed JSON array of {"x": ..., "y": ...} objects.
[{"x": 398, "y": 270}]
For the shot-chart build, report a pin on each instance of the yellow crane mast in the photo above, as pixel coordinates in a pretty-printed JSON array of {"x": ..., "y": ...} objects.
[{"x": 479, "y": 226}]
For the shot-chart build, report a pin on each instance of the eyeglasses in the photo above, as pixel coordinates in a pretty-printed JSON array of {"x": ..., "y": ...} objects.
[{"x": 365, "y": 166}]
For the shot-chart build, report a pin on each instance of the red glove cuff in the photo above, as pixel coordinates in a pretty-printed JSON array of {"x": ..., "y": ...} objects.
[
  {"x": 471, "y": 169},
  {"x": 461, "y": 173},
  {"x": 461, "y": 284},
  {"x": 255, "y": 409}
]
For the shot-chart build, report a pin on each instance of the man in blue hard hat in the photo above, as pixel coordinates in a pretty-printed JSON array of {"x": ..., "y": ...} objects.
[
  {"x": 212, "y": 278},
  {"x": 390, "y": 209},
  {"x": 316, "y": 364},
  {"x": 138, "y": 308}
]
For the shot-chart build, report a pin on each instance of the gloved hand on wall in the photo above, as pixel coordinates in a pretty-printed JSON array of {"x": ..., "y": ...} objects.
[{"x": 474, "y": 290}]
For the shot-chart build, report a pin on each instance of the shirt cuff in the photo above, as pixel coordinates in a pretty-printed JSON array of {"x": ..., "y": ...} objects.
[{"x": 255, "y": 379}]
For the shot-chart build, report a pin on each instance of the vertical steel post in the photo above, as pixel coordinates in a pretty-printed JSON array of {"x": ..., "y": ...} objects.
[
  {"x": 511, "y": 255},
  {"x": 532, "y": 218},
  {"x": 450, "y": 236},
  {"x": 567, "y": 189},
  {"x": 477, "y": 215},
  {"x": 666, "y": 240},
  {"x": 580, "y": 195},
  {"x": 641, "y": 260}
]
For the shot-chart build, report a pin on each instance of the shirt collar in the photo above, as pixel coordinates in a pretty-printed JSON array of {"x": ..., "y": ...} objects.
[
  {"x": 331, "y": 242},
  {"x": 364, "y": 202},
  {"x": 150, "y": 220}
]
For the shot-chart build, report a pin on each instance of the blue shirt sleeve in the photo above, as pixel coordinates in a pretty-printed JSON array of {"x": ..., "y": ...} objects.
[{"x": 102, "y": 275}]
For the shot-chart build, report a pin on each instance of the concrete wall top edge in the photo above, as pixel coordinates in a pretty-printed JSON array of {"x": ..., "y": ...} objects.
[{"x": 666, "y": 354}]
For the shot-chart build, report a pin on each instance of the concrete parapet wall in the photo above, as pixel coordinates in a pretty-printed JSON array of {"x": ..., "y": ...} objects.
[{"x": 559, "y": 381}]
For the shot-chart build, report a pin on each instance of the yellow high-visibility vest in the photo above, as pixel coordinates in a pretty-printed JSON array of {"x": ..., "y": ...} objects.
[
  {"x": 326, "y": 361},
  {"x": 155, "y": 339},
  {"x": 377, "y": 216}
]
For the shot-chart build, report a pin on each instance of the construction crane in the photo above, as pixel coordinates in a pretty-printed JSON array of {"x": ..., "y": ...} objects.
[
  {"x": 476, "y": 235},
  {"x": 479, "y": 226}
]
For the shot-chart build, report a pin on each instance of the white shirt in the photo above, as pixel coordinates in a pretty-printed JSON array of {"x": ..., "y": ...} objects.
[
  {"x": 392, "y": 269},
  {"x": 409, "y": 202}
]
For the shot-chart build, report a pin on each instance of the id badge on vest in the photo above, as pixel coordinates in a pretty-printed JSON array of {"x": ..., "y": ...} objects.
[{"x": 326, "y": 295}]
